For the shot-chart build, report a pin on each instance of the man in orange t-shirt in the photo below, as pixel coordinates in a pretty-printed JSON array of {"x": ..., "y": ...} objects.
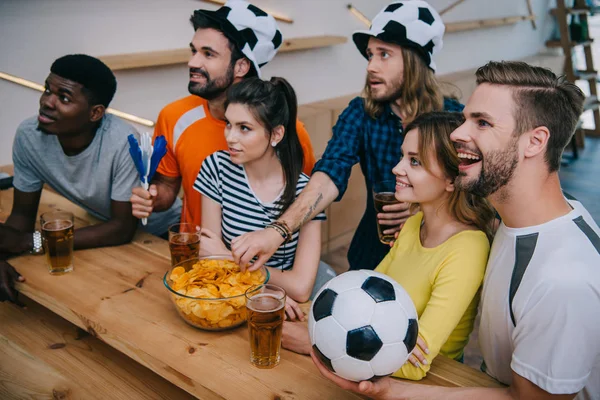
[{"x": 229, "y": 44}]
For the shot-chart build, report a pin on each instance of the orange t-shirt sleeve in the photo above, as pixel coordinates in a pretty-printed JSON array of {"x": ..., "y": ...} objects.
[
  {"x": 168, "y": 165},
  {"x": 309, "y": 154}
]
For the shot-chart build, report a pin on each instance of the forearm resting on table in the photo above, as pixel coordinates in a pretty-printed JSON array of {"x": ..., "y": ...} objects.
[
  {"x": 109, "y": 233},
  {"x": 319, "y": 193},
  {"x": 295, "y": 285}
]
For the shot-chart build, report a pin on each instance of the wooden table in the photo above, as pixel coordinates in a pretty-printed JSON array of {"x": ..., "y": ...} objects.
[{"x": 116, "y": 295}]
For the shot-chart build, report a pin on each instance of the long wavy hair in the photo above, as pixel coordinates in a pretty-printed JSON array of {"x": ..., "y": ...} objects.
[
  {"x": 420, "y": 90},
  {"x": 434, "y": 130},
  {"x": 273, "y": 103}
]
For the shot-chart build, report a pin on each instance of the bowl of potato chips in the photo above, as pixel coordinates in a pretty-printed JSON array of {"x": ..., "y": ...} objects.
[{"x": 208, "y": 292}]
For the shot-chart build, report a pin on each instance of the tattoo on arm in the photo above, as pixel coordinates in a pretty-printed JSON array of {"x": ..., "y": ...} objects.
[{"x": 312, "y": 209}]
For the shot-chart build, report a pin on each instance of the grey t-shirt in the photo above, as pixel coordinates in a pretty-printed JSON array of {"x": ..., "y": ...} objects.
[{"x": 104, "y": 171}]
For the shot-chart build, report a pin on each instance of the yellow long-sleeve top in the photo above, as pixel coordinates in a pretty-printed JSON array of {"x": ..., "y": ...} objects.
[{"x": 443, "y": 283}]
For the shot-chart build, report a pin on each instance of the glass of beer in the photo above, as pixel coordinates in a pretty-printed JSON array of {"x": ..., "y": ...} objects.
[
  {"x": 383, "y": 195},
  {"x": 57, "y": 239},
  {"x": 184, "y": 242},
  {"x": 265, "y": 308}
]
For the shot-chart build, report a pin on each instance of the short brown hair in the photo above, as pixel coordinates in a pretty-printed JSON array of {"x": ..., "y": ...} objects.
[
  {"x": 421, "y": 91},
  {"x": 434, "y": 139},
  {"x": 541, "y": 99}
]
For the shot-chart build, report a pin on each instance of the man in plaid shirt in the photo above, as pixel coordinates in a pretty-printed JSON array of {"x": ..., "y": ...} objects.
[{"x": 400, "y": 85}]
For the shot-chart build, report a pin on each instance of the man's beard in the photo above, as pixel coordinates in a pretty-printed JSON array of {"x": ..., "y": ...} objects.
[
  {"x": 497, "y": 169},
  {"x": 213, "y": 88},
  {"x": 392, "y": 94}
]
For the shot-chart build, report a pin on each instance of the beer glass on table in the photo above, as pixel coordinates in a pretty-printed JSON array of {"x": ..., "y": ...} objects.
[
  {"x": 57, "y": 239},
  {"x": 184, "y": 242},
  {"x": 265, "y": 310},
  {"x": 383, "y": 195}
]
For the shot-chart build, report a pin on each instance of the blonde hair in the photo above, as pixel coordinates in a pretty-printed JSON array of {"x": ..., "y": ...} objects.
[
  {"x": 421, "y": 91},
  {"x": 434, "y": 130}
]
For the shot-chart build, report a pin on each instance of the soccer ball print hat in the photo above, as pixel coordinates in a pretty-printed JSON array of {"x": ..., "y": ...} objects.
[
  {"x": 253, "y": 31},
  {"x": 412, "y": 24}
]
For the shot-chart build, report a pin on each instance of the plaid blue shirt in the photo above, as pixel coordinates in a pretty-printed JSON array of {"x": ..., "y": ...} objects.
[{"x": 376, "y": 145}]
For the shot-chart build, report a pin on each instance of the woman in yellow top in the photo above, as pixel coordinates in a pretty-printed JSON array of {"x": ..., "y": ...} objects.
[{"x": 441, "y": 252}]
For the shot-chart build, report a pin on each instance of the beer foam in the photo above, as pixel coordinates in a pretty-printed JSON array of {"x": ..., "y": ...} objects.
[
  {"x": 265, "y": 302},
  {"x": 57, "y": 225}
]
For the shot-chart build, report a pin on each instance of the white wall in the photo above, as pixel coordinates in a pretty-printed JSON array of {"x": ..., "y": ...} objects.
[{"x": 33, "y": 33}]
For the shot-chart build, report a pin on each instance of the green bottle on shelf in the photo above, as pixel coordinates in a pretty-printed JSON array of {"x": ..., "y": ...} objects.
[{"x": 575, "y": 29}]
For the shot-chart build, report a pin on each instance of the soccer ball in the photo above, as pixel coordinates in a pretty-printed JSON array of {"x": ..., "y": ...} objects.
[{"x": 362, "y": 325}]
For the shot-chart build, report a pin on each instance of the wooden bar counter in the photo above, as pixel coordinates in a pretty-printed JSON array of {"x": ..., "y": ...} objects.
[{"x": 145, "y": 350}]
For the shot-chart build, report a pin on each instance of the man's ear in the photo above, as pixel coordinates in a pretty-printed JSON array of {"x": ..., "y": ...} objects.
[
  {"x": 241, "y": 68},
  {"x": 537, "y": 141},
  {"x": 97, "y": 112}
]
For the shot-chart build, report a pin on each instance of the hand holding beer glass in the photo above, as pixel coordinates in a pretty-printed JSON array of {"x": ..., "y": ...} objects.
[
  {"x": 265, "y": 308},
  {"x": 184, "y": 242},
  {"x": 384, "y": 193},
  {"x": 57, "y": 239}
]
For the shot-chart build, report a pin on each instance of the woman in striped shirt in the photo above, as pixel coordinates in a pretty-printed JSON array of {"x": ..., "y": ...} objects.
[{"x": 251, "y": 184}]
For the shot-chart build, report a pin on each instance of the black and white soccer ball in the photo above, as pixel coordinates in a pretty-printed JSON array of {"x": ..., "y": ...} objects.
[
  {"x": 259, "y": 33},
  {"x": 413, "y": 24},
  {"x": 362, "y": 325}
]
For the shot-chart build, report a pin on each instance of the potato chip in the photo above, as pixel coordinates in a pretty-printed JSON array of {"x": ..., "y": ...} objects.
[
  {"x": 220, "y": 280},
  {"x": 176, "y": 273}
]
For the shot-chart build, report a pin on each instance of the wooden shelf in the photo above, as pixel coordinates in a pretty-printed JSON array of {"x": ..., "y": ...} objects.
[
  {"x": 486, "y": 23},
  {"x": 311, "y": 42},
  {"x": 558, "y": 43},
  {"x": 118, "y": 62},
  {"x": 275, "y": 15},
  {"x": 572, "y": 11}
]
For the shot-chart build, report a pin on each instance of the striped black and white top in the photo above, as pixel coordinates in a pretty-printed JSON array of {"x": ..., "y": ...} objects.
[{"x": 241, "y": 210}]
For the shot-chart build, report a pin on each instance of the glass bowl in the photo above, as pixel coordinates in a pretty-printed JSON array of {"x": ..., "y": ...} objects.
[{"x": 197, "y": 303}]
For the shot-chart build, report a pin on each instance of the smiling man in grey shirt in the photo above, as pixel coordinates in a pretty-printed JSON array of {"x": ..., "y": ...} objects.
[{"x": 81, "y": 153}]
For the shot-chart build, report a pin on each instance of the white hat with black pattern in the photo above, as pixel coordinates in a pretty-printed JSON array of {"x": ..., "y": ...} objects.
[
  {"x": 412, "y": 24},
  {"x": 253, "y": 31}
]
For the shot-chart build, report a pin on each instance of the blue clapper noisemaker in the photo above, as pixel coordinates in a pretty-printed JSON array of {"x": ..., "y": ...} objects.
[{"x": 146, "y": 157}]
